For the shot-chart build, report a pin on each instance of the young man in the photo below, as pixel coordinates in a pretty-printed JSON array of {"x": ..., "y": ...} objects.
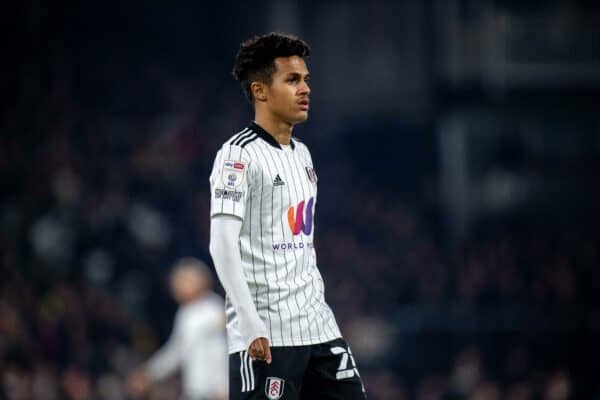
[
  {"x": 197, "y": 346},
  {"x": 284, "y": 342}
]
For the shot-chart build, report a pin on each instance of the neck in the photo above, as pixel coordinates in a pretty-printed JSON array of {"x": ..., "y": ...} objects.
[
  {"x": 280, "y": 130},
  {"x": 193, "y": 297}
]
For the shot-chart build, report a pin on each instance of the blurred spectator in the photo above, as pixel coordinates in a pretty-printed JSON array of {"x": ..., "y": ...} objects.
[{"x": 197, "y": 345}]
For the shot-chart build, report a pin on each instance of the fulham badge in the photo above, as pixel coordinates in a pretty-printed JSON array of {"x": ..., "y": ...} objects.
[
  {"x": 274, "y": 388},
  {"x": 312, "y": 176}
]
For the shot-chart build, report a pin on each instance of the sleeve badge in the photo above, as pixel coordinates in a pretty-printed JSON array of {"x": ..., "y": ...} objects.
[{"x": 233, "y": 173}]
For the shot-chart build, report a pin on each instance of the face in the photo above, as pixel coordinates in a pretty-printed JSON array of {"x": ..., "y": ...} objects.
[
  {"x": 186, "y": 285},
  {"x": 287, "y": 97}
]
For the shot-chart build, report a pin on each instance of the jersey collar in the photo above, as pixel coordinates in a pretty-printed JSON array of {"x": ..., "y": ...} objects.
[{"x": 266, "y": 136}]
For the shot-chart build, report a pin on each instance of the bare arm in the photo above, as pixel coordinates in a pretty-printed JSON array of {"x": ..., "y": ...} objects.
[{"x": 166, "y": 360}]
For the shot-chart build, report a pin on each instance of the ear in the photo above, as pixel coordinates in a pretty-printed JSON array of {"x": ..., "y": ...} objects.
[{"x": 259, "y": 90}]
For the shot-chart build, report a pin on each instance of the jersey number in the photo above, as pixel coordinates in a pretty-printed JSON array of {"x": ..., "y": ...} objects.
[{"x": 343, "y": 372}]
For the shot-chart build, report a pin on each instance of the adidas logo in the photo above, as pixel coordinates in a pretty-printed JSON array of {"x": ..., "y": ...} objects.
[{"x": 278, "y": 181}]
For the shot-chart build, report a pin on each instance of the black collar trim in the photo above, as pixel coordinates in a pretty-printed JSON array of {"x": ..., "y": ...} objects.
[{"x": 266, "y": 136}]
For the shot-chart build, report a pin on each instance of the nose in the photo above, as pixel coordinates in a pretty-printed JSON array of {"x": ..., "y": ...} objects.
[{"x": 304, "y": 89}]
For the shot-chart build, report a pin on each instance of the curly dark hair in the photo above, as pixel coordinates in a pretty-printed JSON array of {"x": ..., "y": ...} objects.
[{"x": 255, "y": 61}]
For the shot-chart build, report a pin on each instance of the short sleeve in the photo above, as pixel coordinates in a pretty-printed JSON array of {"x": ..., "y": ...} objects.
[{"x": 230, "y": 182}]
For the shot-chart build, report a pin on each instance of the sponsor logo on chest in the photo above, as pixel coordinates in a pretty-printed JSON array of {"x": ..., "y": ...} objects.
[{"x": 300, "y": 219}]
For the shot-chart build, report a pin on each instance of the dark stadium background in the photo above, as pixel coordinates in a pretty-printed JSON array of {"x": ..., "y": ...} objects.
[{"x": 457, "y": 146}]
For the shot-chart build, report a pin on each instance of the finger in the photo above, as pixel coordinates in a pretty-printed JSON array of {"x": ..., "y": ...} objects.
[
  {"x": 256, "y": 350},
  {"x": 261, "y": 350},
  {"x": 267, "y": 349}
]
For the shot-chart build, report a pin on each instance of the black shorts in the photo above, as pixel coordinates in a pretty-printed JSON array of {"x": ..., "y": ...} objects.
[{"x": 319, "y": 371}]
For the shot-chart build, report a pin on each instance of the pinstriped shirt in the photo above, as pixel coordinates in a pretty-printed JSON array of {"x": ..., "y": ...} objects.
[{"x": 273, "y": 189}]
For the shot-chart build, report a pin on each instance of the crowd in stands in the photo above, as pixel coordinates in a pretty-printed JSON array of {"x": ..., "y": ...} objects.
[{"x": 98, "y": 201}]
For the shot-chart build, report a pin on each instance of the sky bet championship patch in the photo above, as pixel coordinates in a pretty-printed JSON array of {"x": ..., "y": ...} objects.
[{"x": 232, "y": 173}]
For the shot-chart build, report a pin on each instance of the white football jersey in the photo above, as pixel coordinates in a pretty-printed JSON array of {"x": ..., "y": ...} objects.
[
  {"x": 273, "y": 189},
  {"x": 197, "y": 348}
]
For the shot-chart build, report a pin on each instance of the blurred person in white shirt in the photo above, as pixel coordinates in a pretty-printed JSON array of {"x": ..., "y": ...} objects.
[{"x": 197, "y": 345}]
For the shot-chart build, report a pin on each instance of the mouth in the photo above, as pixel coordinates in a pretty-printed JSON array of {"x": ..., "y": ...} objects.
[{"x": 304, "y": 105}]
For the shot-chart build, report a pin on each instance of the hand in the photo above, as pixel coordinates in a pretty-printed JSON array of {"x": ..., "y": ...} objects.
[
  {"x": 138, "y": 384},
  {"x": 260, "y": 350}
]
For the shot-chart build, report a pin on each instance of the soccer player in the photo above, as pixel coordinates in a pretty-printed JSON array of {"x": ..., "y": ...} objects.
[
  {"x": 284, "y": 341},
  {"x": 197, "y": 345}
]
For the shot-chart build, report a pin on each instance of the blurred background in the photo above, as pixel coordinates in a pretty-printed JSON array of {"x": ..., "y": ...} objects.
[{"x": 457, "y": 145}]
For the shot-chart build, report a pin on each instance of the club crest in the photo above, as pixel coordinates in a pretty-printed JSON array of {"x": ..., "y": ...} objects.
[
  {"x": 312, "y": 176},
  {"x": 274, "y": 388}
]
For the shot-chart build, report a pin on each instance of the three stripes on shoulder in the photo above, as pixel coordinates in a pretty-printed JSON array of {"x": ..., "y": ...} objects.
[{"x": 243, "y": 138}]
